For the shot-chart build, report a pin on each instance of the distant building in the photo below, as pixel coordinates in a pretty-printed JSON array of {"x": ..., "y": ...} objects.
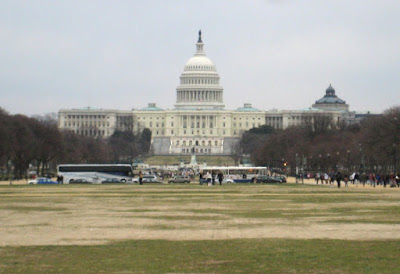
[
  {"x": 94, "y": 122},
  {"x": 331, "y": 102},
  {"x": 199, "y": 121}
]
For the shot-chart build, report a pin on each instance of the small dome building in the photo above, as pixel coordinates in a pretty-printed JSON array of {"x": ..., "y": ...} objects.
[{"x": 331, "y": 102}]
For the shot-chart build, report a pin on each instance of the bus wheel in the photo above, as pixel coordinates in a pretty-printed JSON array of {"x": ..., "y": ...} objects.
[
  {"x": 70, "y": 181},
  {"x": 123, "y": 180}
]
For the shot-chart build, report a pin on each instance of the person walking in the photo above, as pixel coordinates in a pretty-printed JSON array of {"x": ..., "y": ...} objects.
[
  {"x": 220, "y": 177},
  {"x": 346, "y": 180},
  {"x": 356, "y": 179},
  {"x": 213, "y": 177},
  {"x": 333, "y": 178},
  {"x": 326, "y": 178},
  {"x": 386, "y": 180},
  {"x": 317, "y": 177},
  {"x": 338, "y": 179},
  {"x": 140, "y": 178},
  {"x": 372, "y": 179},
  {"x": 364, "y": 178}
]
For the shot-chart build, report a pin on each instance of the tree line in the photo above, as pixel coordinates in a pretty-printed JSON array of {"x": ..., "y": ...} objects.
[
  {"x": 27, "y": 143},
  {"x": 321, "y": 145}
]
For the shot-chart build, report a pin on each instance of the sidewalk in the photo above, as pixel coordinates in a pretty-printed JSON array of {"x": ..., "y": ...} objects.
[{"x": 292, "y": 180}]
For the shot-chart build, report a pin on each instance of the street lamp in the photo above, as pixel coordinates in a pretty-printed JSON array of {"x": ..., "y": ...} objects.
[
  {"x": 337, "y": 161},
  {"x": 348, "y": 160},
  {"x": 320, "y": 160},
  {"x": 297, "y": 166},
  {"x": 328, "y": 159},
  {"x": 394, "y": 158},
  {"x": 394, "y": 146}
]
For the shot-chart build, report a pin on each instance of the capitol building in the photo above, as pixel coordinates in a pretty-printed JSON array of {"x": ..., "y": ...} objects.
[{"x": 199, "y": 120}]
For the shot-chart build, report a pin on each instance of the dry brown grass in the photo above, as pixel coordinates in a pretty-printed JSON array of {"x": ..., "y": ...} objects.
[{"x": 92, "y": 214}]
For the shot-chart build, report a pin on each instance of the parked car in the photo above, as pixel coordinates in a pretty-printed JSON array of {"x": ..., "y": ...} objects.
[
  {"x": 79, "y": 181},
  {"x": 41, "y": 180},
  {"x": 180, "y": 179},
  {"x": 224, "y": 181},
  {"x": 147, "y": 179},
  {"x": 282, "y": 178},
  {"x": 112, "y": 181},
  {"x": 269, "y": 179}
]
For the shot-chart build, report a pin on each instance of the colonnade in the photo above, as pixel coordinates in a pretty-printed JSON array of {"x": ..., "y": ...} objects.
[
  {"x": 199, "y": 95},
  {"x": 198, "y": 121}
]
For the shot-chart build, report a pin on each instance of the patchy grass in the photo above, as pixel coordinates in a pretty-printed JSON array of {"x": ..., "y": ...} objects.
[
  {"x": 31, "y": 208},
  {"x": 228, "y": 256},
  {"x": 233, "y": 212}
]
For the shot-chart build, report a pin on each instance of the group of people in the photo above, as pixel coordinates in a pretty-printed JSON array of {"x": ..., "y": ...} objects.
[
  {"x": 212, "y": 177},
  {"x": 355, "y": 178}
]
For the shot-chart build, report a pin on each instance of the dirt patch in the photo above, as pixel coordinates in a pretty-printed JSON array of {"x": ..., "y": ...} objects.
[{"x": 90, "y": 215}]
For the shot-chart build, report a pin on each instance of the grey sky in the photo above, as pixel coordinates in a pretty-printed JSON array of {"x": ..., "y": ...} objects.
[{"x": 124, "y": 54}]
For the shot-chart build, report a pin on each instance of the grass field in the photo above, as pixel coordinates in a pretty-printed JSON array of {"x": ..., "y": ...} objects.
[{"x": 191, "y": 228}]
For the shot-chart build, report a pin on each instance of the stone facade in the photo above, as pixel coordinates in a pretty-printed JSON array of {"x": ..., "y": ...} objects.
[
  {"x": 94, "y": 122},
  {"x": 199, "y": 122}
]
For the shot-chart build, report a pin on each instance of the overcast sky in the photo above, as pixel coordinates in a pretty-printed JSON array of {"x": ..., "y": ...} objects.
[{"x": 276, "y": 54}]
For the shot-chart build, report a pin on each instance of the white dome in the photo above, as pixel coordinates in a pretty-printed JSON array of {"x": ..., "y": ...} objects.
[
  {"x": 199, "y": 83},
  {"x": 199, "y": 62}
]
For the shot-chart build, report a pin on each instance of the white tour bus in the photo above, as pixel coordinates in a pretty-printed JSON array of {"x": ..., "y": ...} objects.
[
  {"x": 95, "y": 173},
  {"x": 235, "y": 173}
]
